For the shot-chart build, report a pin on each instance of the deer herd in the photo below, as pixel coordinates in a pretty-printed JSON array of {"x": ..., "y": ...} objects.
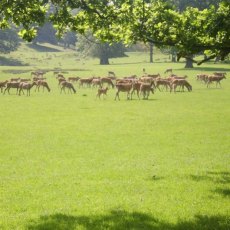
[{"x": 141, "y": 86}]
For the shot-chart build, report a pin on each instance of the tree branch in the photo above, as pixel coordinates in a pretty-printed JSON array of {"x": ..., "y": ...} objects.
[
  {"x": 206, "y": 59},
  {"x": 86, "y": 7}
]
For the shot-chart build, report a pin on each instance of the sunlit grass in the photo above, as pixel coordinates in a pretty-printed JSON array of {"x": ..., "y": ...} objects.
[{"x": 73, "y": 162}]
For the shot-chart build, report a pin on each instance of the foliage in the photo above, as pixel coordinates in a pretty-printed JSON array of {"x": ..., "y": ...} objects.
[
  {"x": 9, "y": 40},
  {"x": 190, "y": 31}
]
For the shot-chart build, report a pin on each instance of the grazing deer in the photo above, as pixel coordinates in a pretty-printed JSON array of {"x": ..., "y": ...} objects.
[
  {"x": 124, "y": 87},
  {"x": 73, "y": 79},
  {"x": 168, "y": 71},
  {"x": 111, "y": 74},
  {"x": 136, "y": 87},
  {"x": 27, "y": 86},
  {"x": 215, "y": 78},
  {"x": 182, "y": 83},
  {"x": 107, "y": 80},
  {"x": 145, "y": 89},
  {"x": 12, "y": 84},
  {"x": 44, "y": 85},
  {"x": 2, "y": 85},
  {"x": 68, "y": 85}
]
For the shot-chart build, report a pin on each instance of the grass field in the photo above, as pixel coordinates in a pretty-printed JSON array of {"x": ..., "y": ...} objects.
[{"x": 69, "y": 161}]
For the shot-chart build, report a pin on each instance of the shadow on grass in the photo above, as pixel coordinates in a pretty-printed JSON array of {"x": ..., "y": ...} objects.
[
  {"x": 221, "y": 178},
  {"x": 11, "y": 62},
  {"x": 156, "y": 178},
  {"x": 119, "y": 220},
  {"x": 16, "y": 71},
  {"x": 213, "y": 68},
  {"x": 217, "y": 177},
  {"x": 127, "y": 63},
  {"x": 41, "y": 48},
  {"x": 224, "y": 192}
]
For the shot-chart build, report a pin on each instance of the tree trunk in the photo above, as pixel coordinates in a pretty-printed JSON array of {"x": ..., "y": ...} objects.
[
  {"x": 189, "y": 63},
  {"x": 151, "y": 52},
  {"x": 104, "y": 60},
  {"x": 173, "y": 53},
  {"x": 173, "y": 57}
]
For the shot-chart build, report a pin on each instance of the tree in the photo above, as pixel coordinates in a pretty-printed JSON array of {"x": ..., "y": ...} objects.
[
  {"x": 182, "y": 6},
  {"x": 102, "y": 50},
  {"x": 68, "y": 39},
  {"x": 201, "y": 5},
  {"x": 46, "y": 33},
  {"x": 129, "y": 21},
  {"x": 9, "y": 40},
  {"x": 151, "y": 52}
]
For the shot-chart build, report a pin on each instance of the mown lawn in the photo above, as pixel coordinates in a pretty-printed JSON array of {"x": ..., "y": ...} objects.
[{"x": 73, "y": 162}]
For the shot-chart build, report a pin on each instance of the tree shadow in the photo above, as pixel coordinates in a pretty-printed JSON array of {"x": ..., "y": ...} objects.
[
  {"x": 16, "y": 71},
  {"x": 120, "y": 219},
  {"x": 221, "y": 178},
  {"x": 214, "y": 69},
  {"x": 224, "y": 192},
  {"x": 11, "y": 62},
  {"x": 41, "y": 48},
  {"x": 217, "y": 177}
]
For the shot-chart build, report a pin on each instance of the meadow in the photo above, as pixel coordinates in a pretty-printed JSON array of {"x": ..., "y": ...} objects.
[{"x": 71, "y": 161}]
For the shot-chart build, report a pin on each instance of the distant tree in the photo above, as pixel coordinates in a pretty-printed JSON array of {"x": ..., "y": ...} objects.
[
  {"x": 201, "y": 5},
  {"x": 169, "y": 50},
  {"x": 102, "y": 50},
  {"x": 69, "y": 39},
  {"x": 9, "y": 40},
  {"x": 46, "y": 33}
]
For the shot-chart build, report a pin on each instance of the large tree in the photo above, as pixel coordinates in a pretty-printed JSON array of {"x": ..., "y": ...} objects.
[
  {"x": 191, "y": 31},
  {"x": 183, "y": 5}
]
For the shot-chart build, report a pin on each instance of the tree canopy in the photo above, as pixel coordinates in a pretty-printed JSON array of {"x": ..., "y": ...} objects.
[{"x": 191, "y": 31}]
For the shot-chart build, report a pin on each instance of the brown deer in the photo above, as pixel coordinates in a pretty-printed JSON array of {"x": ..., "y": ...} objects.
[
  {"x": 68, "y": 85},
  {"x": 27, "y": 86},
  {"x": 2, "y": 85},
  {"x": 102, "y": 91}
]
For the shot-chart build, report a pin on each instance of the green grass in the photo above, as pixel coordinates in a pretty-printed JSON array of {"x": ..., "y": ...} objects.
[{"x": 73, "y": 162}]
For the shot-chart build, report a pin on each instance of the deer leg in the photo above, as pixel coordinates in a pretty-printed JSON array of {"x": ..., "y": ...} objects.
[
  {"x": 175, "y": 86},
  {"x": 128, "y": 95},
  {"x": 132, "y": 94},
  {"x": 138, "y": 94},
  {"x": 117, "y": 96}
]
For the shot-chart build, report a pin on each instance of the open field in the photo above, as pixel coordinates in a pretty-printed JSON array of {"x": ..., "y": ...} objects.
[{"x": 69, "y": 161}]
